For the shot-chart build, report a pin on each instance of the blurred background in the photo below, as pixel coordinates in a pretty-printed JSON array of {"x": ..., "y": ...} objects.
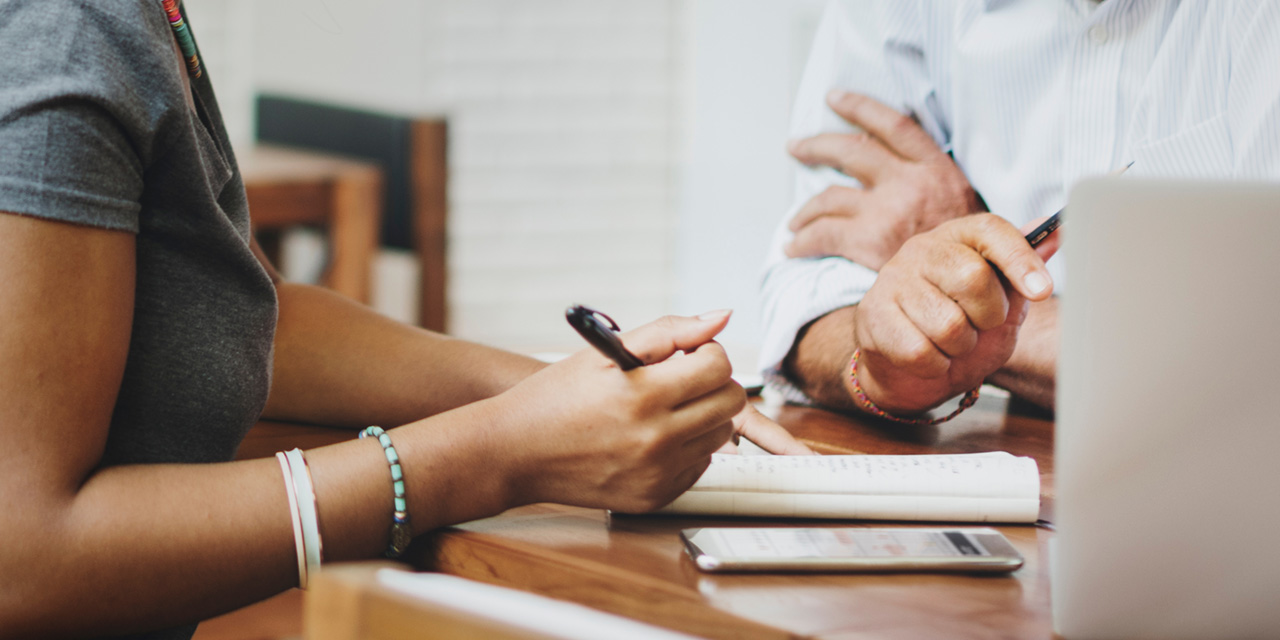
[{"x": 627, "y": 155}]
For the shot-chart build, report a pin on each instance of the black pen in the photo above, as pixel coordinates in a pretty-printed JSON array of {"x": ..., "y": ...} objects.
[
  {"x": 1047, "y": 227},
  {"x": 603, "y": 337}
]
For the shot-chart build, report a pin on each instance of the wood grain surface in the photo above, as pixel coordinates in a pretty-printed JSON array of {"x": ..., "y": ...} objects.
[{"x": 636, "y": 566}]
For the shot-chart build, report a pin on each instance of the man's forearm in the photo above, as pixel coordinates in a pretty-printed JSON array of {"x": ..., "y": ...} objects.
[
  {"x": 340, "y": 363},
  {"x": 1032, "y": 370},
  {"x": 819, "y": 359}
]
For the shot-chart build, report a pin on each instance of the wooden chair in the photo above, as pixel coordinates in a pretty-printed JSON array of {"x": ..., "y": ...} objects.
[
  {"x": 340, "y": 196},
  {"x": 413, "y": 156}
]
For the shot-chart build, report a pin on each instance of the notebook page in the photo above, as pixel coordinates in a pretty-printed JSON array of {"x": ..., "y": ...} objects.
[
  {"x": 856, "y": 507},
  {"x": 991, "y": 487}
]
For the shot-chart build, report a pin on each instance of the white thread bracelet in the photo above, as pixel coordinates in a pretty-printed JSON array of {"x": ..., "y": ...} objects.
[
  {"x": 295, "y": 517},
  {"x": 306, "y": 510}
]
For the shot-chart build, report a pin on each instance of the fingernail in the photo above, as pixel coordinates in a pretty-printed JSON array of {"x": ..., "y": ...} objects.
[
  {"x": 793, "y": 145},
  {"x": 836, "y": 95},
  {"x": 718, "y": 314},
  {"x": 1036, "y": 282}
]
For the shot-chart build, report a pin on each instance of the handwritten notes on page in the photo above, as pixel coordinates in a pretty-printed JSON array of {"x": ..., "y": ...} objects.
[{"x": 981, "y": 487}]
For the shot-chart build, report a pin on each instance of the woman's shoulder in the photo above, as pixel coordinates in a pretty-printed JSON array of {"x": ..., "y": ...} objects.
[
  {"x": 86, "y": 97},
  {"x": 82, "y": 37},
  {"x": 116, "y": 55},
  {"x": 123, "y": 17}
]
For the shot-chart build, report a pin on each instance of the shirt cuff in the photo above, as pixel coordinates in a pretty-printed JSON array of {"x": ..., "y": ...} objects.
[{"x": 796, "y": 292}]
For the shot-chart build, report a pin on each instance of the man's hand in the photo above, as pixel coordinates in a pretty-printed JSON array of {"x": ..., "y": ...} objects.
[
  {"x": 909, "y": 186},
  {"x": 945, "y": 312}
]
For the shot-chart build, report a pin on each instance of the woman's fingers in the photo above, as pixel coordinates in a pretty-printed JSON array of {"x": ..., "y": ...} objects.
[
  {"x": 767, "y": 434},
  {"x": 660, "y": 339}
]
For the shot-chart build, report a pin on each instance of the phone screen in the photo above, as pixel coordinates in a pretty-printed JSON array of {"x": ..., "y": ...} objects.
[{"x": 871, "y": 549}]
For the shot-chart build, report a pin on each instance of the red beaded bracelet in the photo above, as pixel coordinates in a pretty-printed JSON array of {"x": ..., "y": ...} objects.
[{"x": 860, "y": 398}]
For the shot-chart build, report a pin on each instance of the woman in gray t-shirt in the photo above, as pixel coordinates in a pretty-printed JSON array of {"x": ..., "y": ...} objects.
[{"x": 141, "y": 336}]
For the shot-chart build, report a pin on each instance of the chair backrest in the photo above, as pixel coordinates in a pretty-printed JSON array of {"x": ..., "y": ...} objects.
[{"x": 413, "y": 154}]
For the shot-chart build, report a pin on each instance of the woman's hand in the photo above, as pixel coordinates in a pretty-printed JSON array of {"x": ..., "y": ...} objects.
[
  {"x": 584, "y": 432},
  {"x": 764, "y": 433}
]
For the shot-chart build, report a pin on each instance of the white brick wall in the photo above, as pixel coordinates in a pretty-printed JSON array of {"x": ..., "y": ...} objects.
[
  {"x": 622, "y": 153},
  {"x": 561, "y": 115},
  {"x": 563, "y": 139},
  {"x": 224, "y": 29}
]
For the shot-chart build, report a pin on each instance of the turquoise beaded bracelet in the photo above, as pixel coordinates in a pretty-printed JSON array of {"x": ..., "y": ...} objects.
[{"x": 401, "y": 532}]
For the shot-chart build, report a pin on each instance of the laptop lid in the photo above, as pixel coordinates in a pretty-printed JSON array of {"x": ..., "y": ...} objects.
[{"x": 1168, "y": 493}]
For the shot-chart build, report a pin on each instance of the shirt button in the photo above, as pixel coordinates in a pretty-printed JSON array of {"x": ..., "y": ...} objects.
[{"x": 1098, "y": 34}]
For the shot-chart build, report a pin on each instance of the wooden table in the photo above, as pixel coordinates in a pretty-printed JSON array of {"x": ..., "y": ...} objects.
[{"x": 636, "y": 566}]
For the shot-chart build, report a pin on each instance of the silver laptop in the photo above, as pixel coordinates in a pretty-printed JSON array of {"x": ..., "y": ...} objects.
[{"x": 1168, "y": 432}]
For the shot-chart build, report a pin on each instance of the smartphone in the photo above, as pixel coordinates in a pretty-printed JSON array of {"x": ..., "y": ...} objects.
[{"x": 849, "y": 549}]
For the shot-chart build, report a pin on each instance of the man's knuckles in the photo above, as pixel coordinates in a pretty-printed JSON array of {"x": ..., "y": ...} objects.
[
  {"x": 851, "y": 145},
  {"x": 988, "y": 231},
  {"x": 917, "y": 356},
  {"x": 833, "y": 200},
  {"x": 908, "y": 204},
  {"x": 903, "y": 127},
  {"x": 970, "y": 278},
  {"x": 849, "y": 106},
  {"x": 954, "y": 334}
]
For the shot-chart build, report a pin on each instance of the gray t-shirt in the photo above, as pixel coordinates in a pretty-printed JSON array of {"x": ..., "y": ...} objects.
[{"x": 95, "y": 130}]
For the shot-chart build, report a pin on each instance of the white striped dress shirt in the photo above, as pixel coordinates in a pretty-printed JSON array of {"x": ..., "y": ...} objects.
[{"x": 1031, "y": 96}]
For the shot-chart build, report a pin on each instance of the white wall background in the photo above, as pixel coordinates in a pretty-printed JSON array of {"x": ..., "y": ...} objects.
[
  {"x": 736, "y": 179},
  {"x": 622, "y": 153},
  {"x": 224, "y": 29}
]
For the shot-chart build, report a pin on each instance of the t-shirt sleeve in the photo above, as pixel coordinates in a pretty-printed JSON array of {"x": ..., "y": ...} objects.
[{"x": 68, "y": 150}]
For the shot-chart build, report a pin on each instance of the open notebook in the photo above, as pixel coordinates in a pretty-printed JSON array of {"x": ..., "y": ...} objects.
[{"x": 977, "y": 487}]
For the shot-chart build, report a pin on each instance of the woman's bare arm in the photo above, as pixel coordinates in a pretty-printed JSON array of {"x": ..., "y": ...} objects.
[
  {"x": 104, "y": 551},
  {"x": 340, "y": 363},
  {"x": 162, "y": 544}
]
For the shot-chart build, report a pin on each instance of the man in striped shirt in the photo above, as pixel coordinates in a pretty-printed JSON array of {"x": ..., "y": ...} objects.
[{"x": 965, "y": 105}]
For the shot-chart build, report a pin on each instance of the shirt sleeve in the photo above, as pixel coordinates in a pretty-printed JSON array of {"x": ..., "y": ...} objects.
[
  {"x": 874, "y": 48},
  {"x": 67, "y": 152},
  {"x": 1253, "y": 94}
]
